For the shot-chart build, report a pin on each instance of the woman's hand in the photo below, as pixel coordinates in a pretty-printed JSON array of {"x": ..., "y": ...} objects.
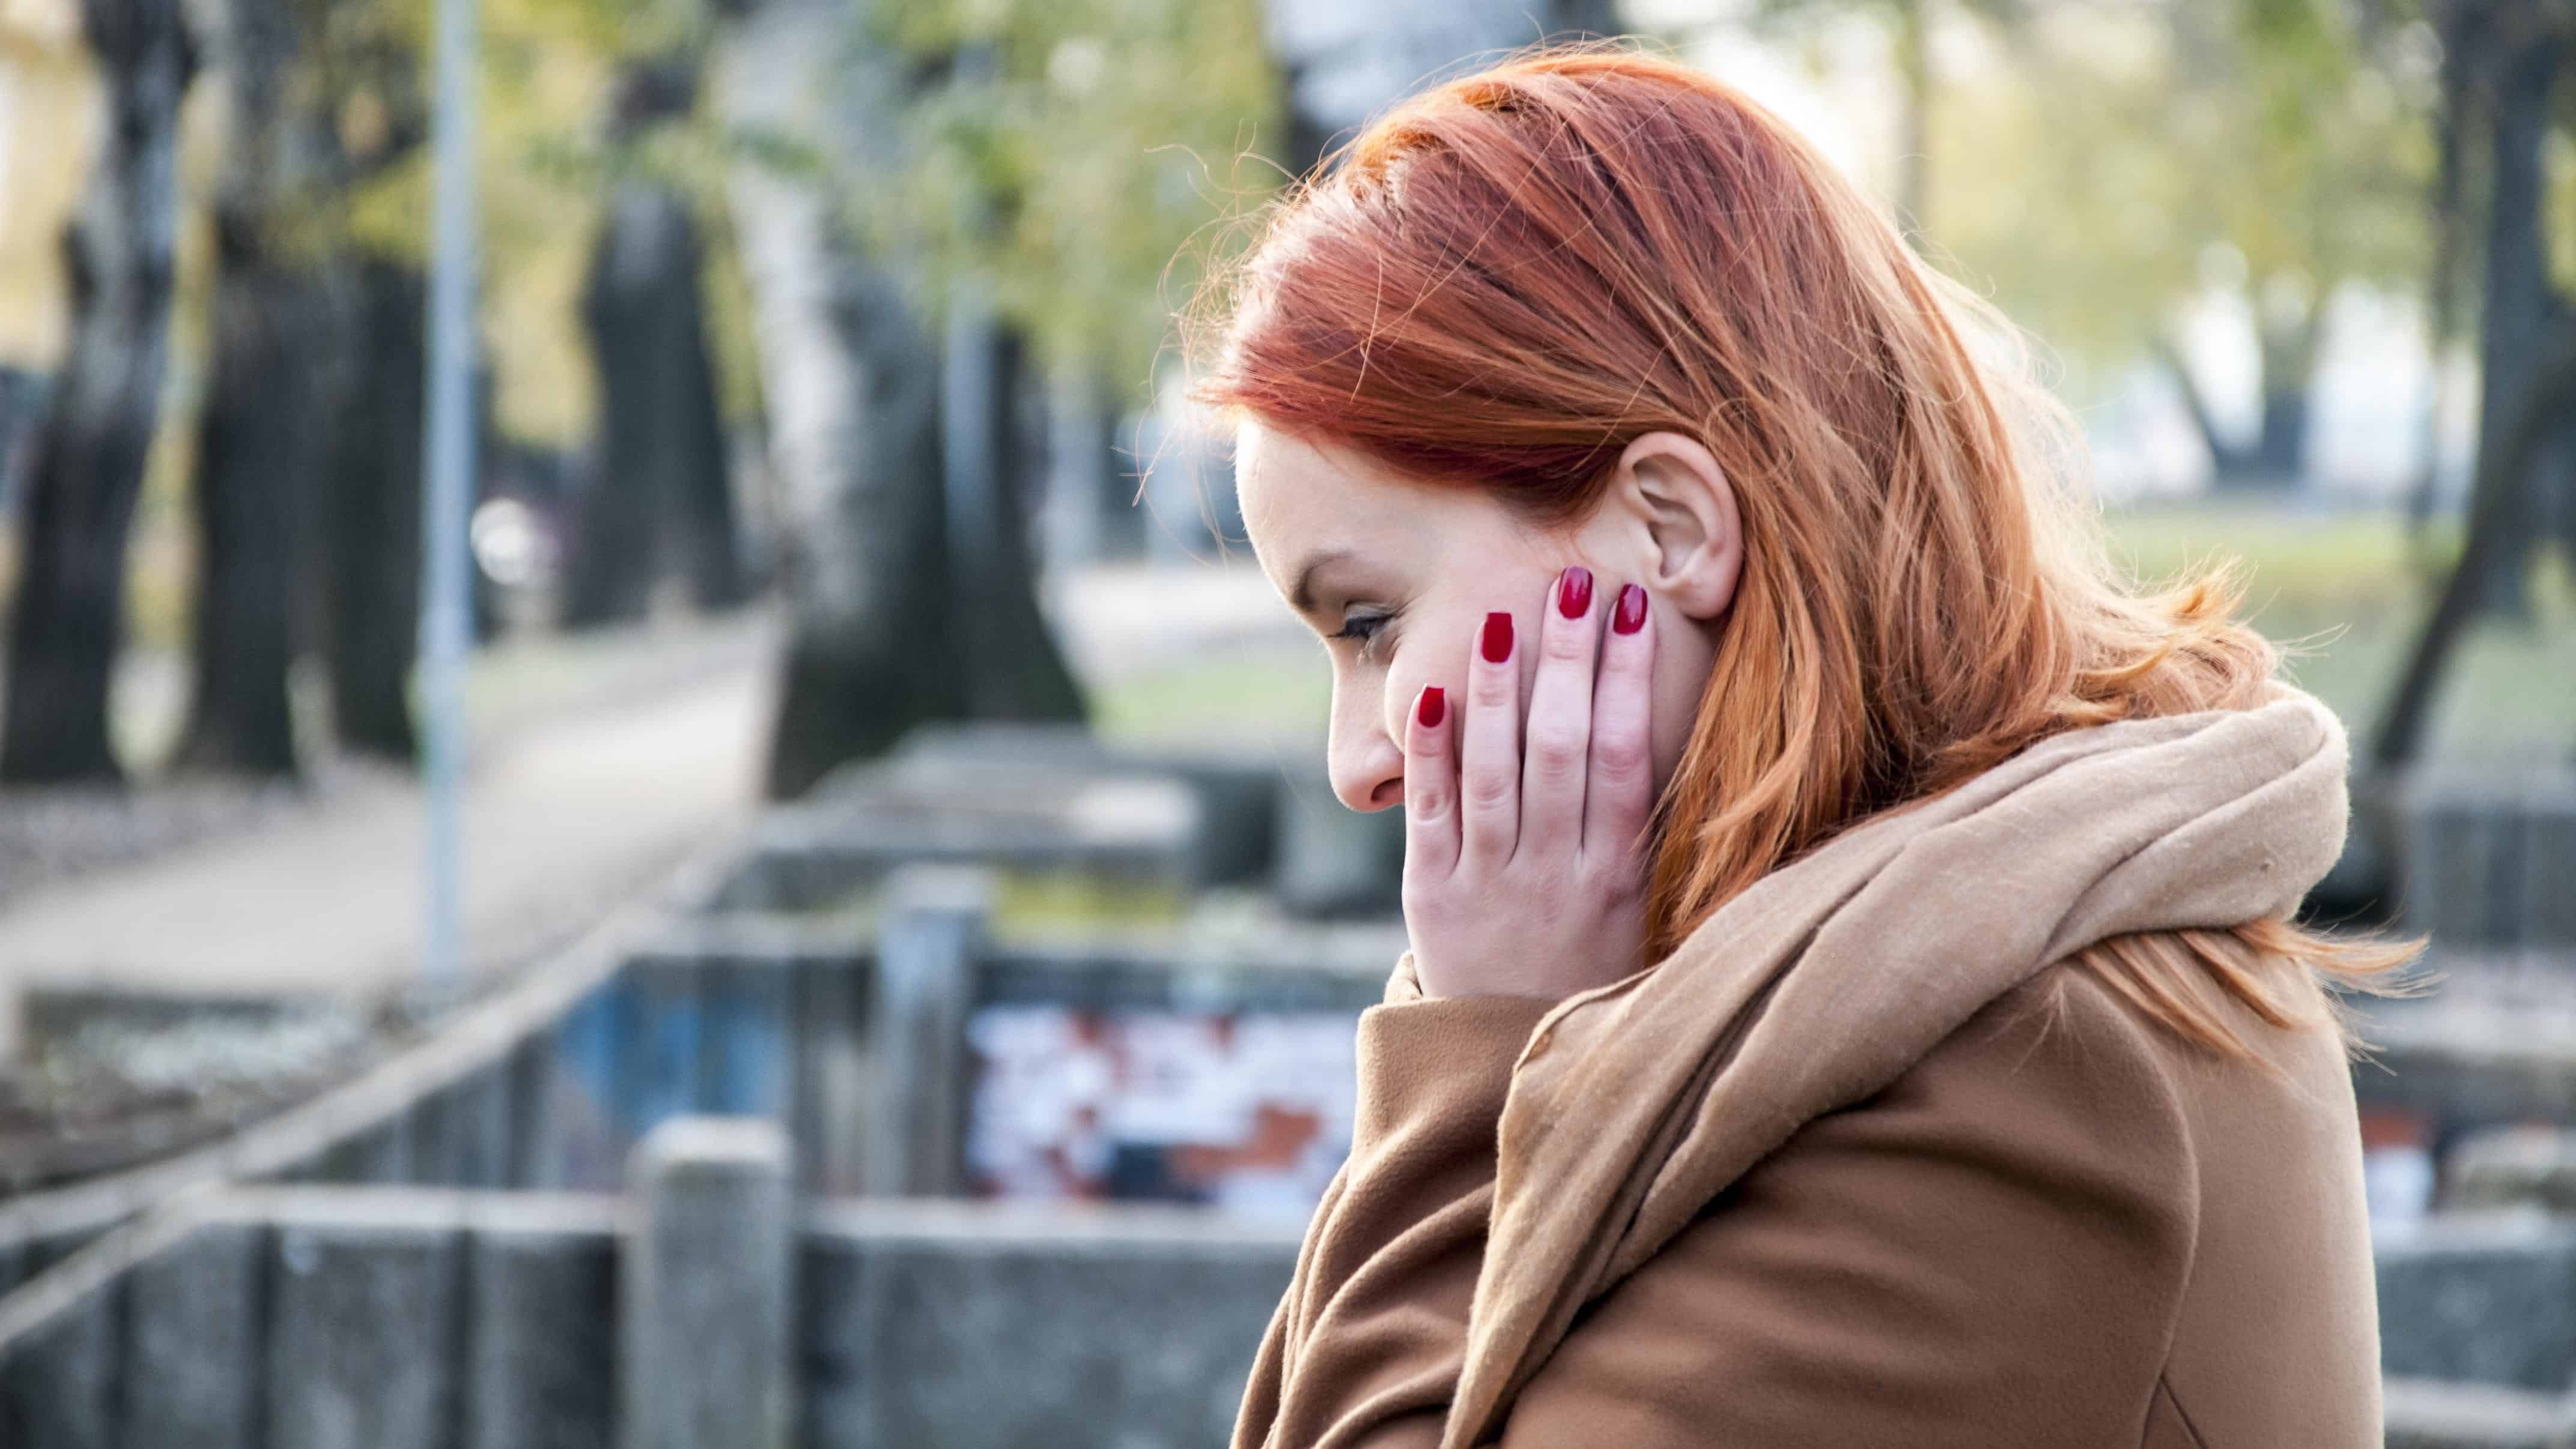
[{"x": 1523, "y": 870}]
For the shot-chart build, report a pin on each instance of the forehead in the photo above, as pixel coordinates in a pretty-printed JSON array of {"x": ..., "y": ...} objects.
[{"x": 1299, "y": 493}]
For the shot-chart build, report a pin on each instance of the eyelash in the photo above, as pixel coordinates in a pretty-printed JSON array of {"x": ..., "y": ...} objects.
[{"x": 1364, "y": 628}]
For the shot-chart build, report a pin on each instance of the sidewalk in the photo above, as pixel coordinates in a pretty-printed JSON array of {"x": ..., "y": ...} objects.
[{"x": 592, "y": 769}]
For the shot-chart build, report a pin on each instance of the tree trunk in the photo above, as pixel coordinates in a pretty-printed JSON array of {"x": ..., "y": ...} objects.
[
  {"x": 2507, "y": 474},
  {"x": 371, "y": 510},
  {"x": 2289, "y": 351},
  {"x": 1013, "y": 669},
  {"x": 661, "y": 492},
  {"x": 69, "y": 618},
  {"x": 2523, "y": 307},
  {"x": 2226, "y": 460},
  {"x": 2461, "y": 30},
  {"x": 22, "y": 414},
  {"x": 873, "y": 652},
  {"x": 852, "y": 385},
  {"x": 262, "y": 435},
  {"x": 260, "y": 441},
  {"x": 705, "y": 518}
]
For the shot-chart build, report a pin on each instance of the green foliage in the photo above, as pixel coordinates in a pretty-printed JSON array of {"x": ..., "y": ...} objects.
[
  {"x": 548, "y": 153},
  {"x": 2129, "y": 157},
  {"x": 1066, "y": 152},
  {"x": 2106, "y": 161}
]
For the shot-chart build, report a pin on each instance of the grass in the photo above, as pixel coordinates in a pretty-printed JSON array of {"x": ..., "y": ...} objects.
[
  {"x": 2343, "y": 593},
  {"x": 1261, "y": 693}
]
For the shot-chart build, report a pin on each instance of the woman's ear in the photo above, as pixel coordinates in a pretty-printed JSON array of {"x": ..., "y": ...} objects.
[{"x": 1669, "y": 495}]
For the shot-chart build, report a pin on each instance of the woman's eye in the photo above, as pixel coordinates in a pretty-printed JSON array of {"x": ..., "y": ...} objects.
[{"x": 1362, "y": 628}]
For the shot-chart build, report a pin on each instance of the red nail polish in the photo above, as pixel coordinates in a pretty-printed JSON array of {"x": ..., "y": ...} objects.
[
  {"x": 1434, "y": 708},
  {"x": 1574, "y": 591},
  {"x": 1498, "y": 636},
  {"x": 1631, "y": 616}
]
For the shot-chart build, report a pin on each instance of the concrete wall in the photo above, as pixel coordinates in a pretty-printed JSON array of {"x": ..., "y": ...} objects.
[
  {"x": 995, "y": 1326},
  {"x": 682, "y": 1318},
  {"x": 2490, "y": 862},
  {"x": 389, "y": 1318},
  {"x": 2477, "y": 1317},
  {"x": 549, "y": 1084}
]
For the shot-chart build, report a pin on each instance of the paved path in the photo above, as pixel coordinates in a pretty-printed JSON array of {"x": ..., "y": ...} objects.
[{"x": 570, "y": 807}]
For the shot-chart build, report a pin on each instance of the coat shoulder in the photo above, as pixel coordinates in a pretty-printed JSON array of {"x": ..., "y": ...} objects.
[{"x": 1989, "y": 1250}]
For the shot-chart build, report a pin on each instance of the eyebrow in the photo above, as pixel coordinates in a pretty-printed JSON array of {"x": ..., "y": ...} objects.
[{"x": 1302, "y": 597}]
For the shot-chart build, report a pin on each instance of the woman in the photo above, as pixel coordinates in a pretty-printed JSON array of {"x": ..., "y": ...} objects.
[{"x": 1851, "y": 997}]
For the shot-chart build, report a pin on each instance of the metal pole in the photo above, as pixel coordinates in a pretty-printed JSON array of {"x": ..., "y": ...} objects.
[{"x": 448, "y": 470}]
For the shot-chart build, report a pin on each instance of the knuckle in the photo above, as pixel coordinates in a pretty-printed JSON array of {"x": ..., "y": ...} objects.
[
  {"x": 1557, "y": 751},
  {"x": 1567, "y": 641},
  {"x": 1487, "y": 787},
  {"x": 1426, "y": 801},
  {"x": 1620, "y": 753}
]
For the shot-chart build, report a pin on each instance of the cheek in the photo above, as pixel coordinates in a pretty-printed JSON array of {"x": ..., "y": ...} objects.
[
  {"x": 1442, "y": 661},
  {"x": 1682, "y": 665}
]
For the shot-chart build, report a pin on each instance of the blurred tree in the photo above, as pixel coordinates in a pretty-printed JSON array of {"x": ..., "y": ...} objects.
[
  {"x": 1026, "y": 172},
  {"x": 851, "y": 383},
  {"x": 1338, "y": 63},
  {"x": 68, "y": 620},
  {"x": 2504, "y": 99},
  {"x": 660, "y": 488},
  {"x": 264, "y": 431},
  {"x": 316, "y": 367},
  {"x": 1909, "y": 25},
  {"x": 2131, "y": 162},
  {"x": 2510, "y": 96},
  {"x": 662, "y": 482},
  {"x": 987, "y": 458},
  {"x": 307, "y": 484},
  {"x": 1012, "y": 667},
  {"x": 371, "y": 506},
  {"x": 1073, "y": 157}
]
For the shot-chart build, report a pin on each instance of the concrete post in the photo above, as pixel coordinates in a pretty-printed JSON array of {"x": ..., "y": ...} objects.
[
  {"x": 540, "y": 1341},
  {"x": 58, "y": 1383},
  {"x": 2550, "y": 856},
  {"x": 706, "y": 1273},
  {"x": 2450, "y": 868},
  {"x": 928, "y": 937},
  {"x": 363, "y": 1308},
  {"x": 830, "y": 1072},
  {"x": 192, "y": 1355}
]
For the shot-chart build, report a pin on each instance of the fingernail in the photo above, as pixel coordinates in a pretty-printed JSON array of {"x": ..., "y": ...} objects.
[
  {"x": 1574, "y": 591},
  {"x": 1498, "y": 636},
  {"x": 1631, "y": 616},
  {"x": 1435, "y": 707}
]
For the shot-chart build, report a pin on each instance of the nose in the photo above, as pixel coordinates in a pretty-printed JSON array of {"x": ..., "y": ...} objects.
[{"x": 1367, "y": 768}]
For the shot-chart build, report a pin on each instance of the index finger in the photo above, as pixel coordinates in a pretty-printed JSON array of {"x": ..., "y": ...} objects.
[{"x": 1430, "y": 788}]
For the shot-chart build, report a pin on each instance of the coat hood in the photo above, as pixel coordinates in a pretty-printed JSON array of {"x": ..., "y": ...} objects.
[{"x": 1635, "y": 1104}]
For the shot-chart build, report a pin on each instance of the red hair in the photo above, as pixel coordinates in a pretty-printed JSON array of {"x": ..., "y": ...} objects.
[{"x": 1506, "y": 279}]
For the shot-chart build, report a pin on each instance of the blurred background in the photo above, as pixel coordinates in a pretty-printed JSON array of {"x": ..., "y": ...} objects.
[{"x": 877, "y": 735}]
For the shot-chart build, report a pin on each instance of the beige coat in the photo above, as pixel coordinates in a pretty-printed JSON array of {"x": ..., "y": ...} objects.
[{"x": 1868, "y": 1161}]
